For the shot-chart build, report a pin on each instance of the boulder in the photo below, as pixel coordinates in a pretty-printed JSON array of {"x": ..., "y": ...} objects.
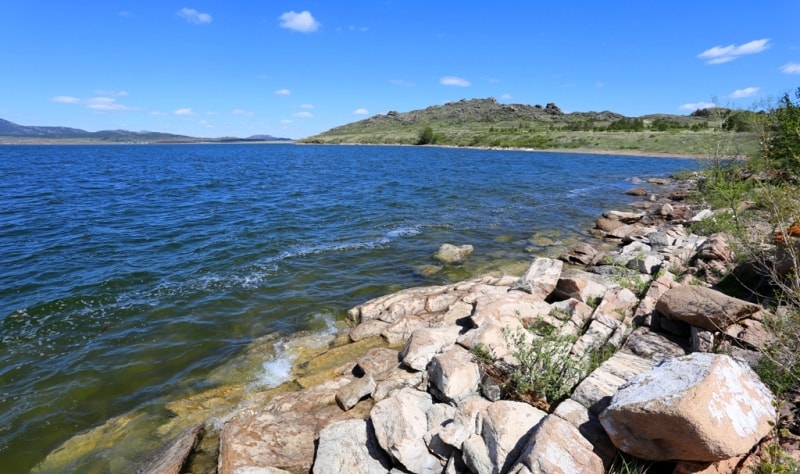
[
  {"x": 588, "y": 424},
  {"x": 425, "y": 343},
  {"x": 636, "y": 192},
  {"x": 581, "y": 285},
  {"x": 378, "y": 362},
  {"x": 454, "y": 375},
  {"x": 580, "y": 253},
  {"x": 400, "y": 330},
  {"x": 607, "y": 225},
  {"x": 400, "y": 424},
  {"x": 516, "y": 304},
  {"x": 348, "y": 396},
  {"x": 349, "y": 447},
  {"x": 624, "y": 217},
  {"x": 499, "y": 442},
  {"x": 541, "y": 277},
  {"x": 439, "y": 416},
  {"x": 703, "y": 307},
  {"x": 451, "y": 254},
  {"x": 631, "y": 232},
  {"x": 557, "y": 447},
  {"x": 465, "y": 422},
  {"x": 715, "y": 248},
  {"x": 595, "y": 391},
  {"x": 700, "y": 407},
  {"x": 367, "y": 329},
  {"x": 490, "y": 336}
]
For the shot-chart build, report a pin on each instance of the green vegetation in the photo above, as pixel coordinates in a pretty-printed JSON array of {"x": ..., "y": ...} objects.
[
  {"x": 627, "y": 464},
  {"x": 426, "y": 136},
  {"x": 545, "y": 372},
  {"x": 482, "y": 354},
  {"x": 487, "y": 123},
  {"x": 762, "y": 216}
]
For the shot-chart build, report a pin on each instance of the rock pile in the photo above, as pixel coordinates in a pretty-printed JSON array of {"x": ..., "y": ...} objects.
[{"x": 674, "y": 389}]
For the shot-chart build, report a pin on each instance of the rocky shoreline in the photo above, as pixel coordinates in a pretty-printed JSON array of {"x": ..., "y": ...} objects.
[{"x": 664, "y": 370}]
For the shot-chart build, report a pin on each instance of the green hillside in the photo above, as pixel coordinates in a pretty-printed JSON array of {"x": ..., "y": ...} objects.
[{"x": 487, "y": 123}]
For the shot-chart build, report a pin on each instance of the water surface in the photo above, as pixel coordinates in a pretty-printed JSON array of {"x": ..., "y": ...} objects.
[{"x": 128, "y": 274}]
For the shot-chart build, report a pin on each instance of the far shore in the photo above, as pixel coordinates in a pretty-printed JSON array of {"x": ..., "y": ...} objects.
[{"x": 588, "y": 151}]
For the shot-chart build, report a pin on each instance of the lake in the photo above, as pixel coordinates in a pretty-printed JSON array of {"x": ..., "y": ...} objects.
[{"x": 134, "y": 275}]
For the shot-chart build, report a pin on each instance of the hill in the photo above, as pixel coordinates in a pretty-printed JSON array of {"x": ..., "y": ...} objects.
[
  {"x": 11, "y": 132},
  {"x": 488, "y": 123}
]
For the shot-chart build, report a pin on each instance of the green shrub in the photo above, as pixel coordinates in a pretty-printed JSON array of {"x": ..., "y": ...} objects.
[
  {"x": 545, "y": 370},
  {"x": 426, "y": 136}
]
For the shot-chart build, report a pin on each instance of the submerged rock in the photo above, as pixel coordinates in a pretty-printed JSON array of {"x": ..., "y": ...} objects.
[{"x": 451, "y": 254}]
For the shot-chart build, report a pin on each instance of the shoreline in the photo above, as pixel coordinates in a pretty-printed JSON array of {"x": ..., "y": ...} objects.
[{"x": 587, "y": 151}]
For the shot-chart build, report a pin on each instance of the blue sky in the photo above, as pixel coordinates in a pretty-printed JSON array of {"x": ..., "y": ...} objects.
[{"x": 293, "y": 69}]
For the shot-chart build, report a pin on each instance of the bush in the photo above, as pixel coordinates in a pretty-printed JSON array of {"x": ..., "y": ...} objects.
[
  {"x": 546, "y": 372},
  {"x": 426, "y": 136}
]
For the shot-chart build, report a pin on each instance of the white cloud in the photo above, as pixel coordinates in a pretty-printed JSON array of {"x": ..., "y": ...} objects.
[
  {"x": 402, "y": 83},
  {"x": 698, "y": 106},
  {"x": 104, "y": 103},
  {"x": 286, "y": 121},
  {"x": 746, "y": 92},
  {"x": 454, "y": 81},
  {"x": 124, "y": 13},
  {"x": 506, "y": 97},
  {"x": 242, "y": 112},
  {"x": 306, "y": 106},
  {"x": 95, "y": 103},
  {"x": 184, "y": 111},
  {"x": 790, "y": 68},
  {"x": 283, "y": 92},
  {"x": 302, "y": 114},
  {"x": 65, "y": 99},
  {"x": 361, "y": 112},
  {"x": 724, "y": 54},
  {"x": 302, "y": 22},
  {"x": 193, "y": 16}
]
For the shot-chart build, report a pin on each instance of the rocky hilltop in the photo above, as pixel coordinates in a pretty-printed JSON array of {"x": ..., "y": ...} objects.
[
  {"x": 651, "y": 363},
  {"x": 480, "y": 110}
]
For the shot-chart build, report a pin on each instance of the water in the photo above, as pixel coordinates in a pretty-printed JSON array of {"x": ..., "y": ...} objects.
[{"x": 128, "y": 274}]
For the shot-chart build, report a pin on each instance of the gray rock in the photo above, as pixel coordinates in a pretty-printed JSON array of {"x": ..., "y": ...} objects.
[
  {"x": 348, "y": 396},
  {"x": 349, "y": 447},
  {"x": 426, "y": 343},
  {"x": 499, "y": 442},
  {"x": 681, "y": 408},
  {"x": 541, "y": 277},
  {"x": 557, "y": 447},
  {"x": 454, "y": 375},
  {"x": 588, "y": 424},
  {"x": 400, "y": 424}
]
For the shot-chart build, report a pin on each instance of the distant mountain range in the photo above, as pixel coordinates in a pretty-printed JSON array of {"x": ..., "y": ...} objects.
[{"x": 32, "y": 133}]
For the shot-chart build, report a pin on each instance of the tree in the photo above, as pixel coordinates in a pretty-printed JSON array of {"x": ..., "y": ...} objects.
[
  {"x": 783, "y": 143},
  {"x": 426, "y": 136}
]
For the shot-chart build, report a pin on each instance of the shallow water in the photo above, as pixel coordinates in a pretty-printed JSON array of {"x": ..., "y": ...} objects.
[{"x": 131, "y": 275}]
